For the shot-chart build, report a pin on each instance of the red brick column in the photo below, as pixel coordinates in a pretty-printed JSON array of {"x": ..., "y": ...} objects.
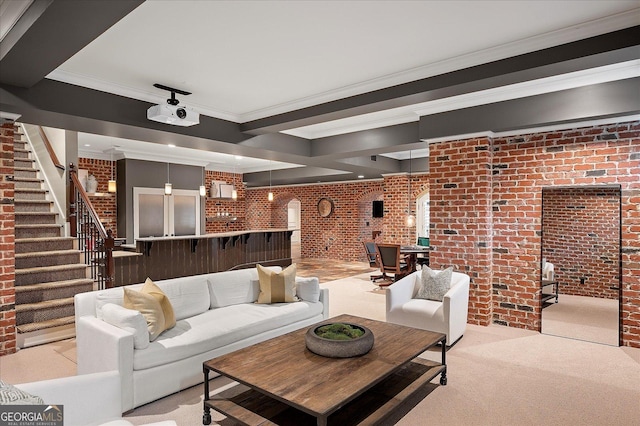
[
  {"x": 522, "y": 166},
  {"x": 7, "y": 243},
  {"x": 461, "y": 217}
]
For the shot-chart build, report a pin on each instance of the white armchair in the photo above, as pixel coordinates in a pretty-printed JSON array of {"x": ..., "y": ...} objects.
[
  {"x": 88, "y": 399},
  {"x": 448, "y": 317}
]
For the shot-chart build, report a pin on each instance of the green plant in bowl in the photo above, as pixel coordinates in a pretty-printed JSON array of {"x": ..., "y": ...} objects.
[{"x": 339, "y": 331}]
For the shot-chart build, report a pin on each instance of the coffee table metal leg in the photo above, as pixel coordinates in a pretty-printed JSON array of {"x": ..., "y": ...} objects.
[
  {"x": 206, "y": 416},
  {"x": 443, "y": 375}
]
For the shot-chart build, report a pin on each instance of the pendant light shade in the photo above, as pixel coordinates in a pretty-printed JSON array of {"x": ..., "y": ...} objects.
[
  {"x": 167, "y": 186},
  {"x": 112, "y": 183},
  {"x": 203, "y": 188},
  {"x": 411, "y": 220},
  {"x": 270, "y": 195},
  {"x": 234, "y": 194}
]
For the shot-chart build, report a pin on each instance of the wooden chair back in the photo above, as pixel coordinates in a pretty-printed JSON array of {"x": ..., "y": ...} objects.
[{"x": 389, "y": 258}]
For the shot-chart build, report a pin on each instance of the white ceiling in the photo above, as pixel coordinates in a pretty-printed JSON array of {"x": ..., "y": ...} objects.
[{"x": 252, "y": 59}]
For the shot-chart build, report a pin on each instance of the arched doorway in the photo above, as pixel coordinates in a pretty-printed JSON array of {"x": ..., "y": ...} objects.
[
  {"x": 422, "y": 215},
  {"x": 293, "y": 222}
]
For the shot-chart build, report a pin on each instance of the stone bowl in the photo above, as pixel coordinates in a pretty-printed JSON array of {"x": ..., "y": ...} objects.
[{"x": 339, "y": 348}]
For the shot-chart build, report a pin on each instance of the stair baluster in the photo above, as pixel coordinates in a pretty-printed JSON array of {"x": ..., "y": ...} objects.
[{"x": 96, "y": 242}]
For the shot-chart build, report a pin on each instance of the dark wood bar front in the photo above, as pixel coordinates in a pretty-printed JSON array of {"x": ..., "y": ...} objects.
[{"x": 164, "y": 258}]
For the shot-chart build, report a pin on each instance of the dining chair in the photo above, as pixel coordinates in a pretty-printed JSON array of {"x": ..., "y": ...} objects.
[
  {"x": 391, "y": 261},
  {"x": 372, "y": 258}
]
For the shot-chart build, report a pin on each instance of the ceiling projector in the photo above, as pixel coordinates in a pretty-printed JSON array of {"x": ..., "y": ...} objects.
[{"x": 172, "y": 113}]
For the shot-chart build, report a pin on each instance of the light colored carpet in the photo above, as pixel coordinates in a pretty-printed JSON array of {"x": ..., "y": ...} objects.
[
  {"x": 583, "y": 318},
  {"x": 496, "y": 376}
]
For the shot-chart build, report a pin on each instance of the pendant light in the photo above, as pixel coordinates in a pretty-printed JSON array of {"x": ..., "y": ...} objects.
[
  {"x": 270, "y": 195},
  {"x": 167, "y": 186},
  {"x": 234, "y": 193},
  {"x": 112, "y": 182},
  {"x": 203, "y": 188},
  {"x": 411, "y": 220}
]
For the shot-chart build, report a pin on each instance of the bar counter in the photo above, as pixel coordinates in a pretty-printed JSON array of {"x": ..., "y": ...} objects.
[{"x": 170, "y": 257}]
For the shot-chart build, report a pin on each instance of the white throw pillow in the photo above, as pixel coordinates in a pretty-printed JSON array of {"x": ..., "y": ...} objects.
[
  {"x": 434, "y": 284},
  {"x": 308, "y": 289},
  {"x": 130, "y": 320}
]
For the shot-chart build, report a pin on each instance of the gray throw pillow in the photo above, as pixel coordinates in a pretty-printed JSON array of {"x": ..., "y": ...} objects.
[
  {"x": 11, "y": 395},
  {"x": 434, "y": 284}
]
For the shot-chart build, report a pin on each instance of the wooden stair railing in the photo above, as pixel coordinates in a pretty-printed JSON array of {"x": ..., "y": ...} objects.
[
  {"x": 96, "y": 243},
  {"x": 50, "y": 150}
]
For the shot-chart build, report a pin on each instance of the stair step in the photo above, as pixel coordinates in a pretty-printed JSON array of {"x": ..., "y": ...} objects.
[
  {"x": 23, "y": 162},
  {"x": 44, "y": 311},
  {"x": 28, "y": 194},
  {"x": 33, "y": 206},
  {"x": 27, "y": 183},
  {"x": 45, "y": 274},
  {"x": 32, "y": 218},
  {"x": 20, "y": 153},
  {"x": 42, "y": 325},
  {"x": 29, "y": 245},
  {"x": 25, "y": 172},
  {"x": 35, "y": 259},
  {"x": 35, "y": 293},
  {"x": 37, "y": 230}
]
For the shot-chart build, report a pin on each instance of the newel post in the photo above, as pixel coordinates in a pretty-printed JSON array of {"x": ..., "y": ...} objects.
[
  {"x": 109, "y": 265},
  {"x": 73, "y": 223}
]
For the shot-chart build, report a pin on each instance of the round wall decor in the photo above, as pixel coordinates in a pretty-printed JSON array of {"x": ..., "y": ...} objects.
[{"x": 325, "y": 207}]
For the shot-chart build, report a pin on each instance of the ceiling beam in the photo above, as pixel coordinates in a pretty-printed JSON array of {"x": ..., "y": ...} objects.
[
  {"x": 596, "y": 51},
  {"x": 52, "y": 31},
  {"x": 598, "y": 101}
]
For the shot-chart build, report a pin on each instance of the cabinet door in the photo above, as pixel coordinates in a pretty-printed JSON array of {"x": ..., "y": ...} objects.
[
  {"x": 151, "y": 216},
  {"x": 184, "y": 214},
  {"x": 159, "y": 215}
]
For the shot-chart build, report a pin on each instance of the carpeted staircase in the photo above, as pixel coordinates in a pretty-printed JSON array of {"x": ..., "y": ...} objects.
[{"x": 48, "y": 269}]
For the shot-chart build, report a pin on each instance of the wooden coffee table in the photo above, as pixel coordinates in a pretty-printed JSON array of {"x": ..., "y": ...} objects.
[{"x": 282, "y": 374}]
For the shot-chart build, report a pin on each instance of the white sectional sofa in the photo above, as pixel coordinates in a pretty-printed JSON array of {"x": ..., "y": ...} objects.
[{"x": 215, "y": 315}]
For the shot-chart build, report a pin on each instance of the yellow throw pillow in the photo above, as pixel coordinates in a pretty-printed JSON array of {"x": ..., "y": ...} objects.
[
  {"x": 151, "y": 288},
  {"x": 277, "y": 287},
  {"x": 154, "y": 305}
]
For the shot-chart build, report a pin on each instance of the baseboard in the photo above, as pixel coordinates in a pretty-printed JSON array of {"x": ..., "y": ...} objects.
[{"x": 48, "y": 335}]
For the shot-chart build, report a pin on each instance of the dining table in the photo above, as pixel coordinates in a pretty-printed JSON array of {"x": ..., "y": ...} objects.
[{"x": 412, "y": 252}]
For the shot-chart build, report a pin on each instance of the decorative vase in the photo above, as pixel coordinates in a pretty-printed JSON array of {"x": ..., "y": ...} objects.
[
  {"x": 339, "y": 348},
  {"x": 92, "y": 184}
]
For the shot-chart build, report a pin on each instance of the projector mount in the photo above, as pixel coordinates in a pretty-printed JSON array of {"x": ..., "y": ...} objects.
[{"x": 172, "y": 101}]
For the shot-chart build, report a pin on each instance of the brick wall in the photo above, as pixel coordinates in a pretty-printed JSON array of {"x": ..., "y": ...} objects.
[
  {"x": 460, "y": 224},
  {"x": 215, "y": 207},
  {"x": 581, "y": 237},
  {"x": 7, "y": 243},
  {"x": 338, "y": 236},
  {"x": 522, "y": 166},
  {"x": 105, "y": 204}
]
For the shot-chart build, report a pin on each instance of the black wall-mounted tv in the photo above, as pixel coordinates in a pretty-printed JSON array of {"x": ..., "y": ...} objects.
[{"x": 378, "y": 209}]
